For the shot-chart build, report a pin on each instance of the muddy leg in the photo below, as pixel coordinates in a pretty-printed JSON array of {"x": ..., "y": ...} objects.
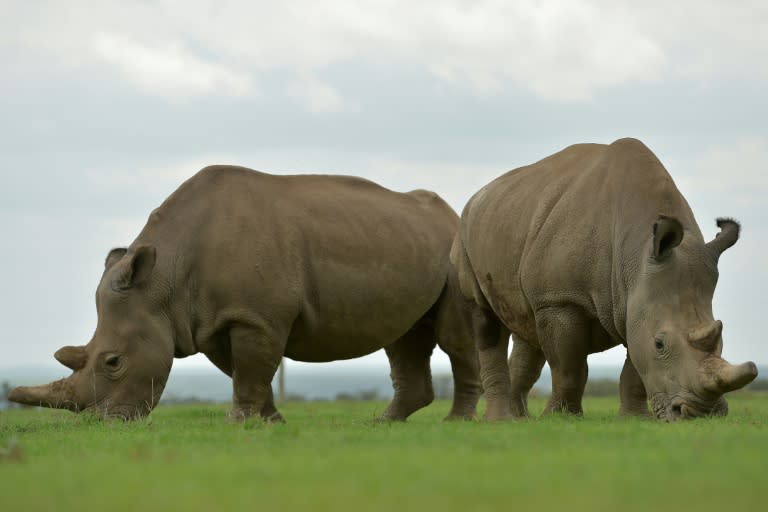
[
  {"x": 564, "y": 336},
  {"x": 256, "y": 354},
  {"x": 525, "y": 366},
  {"x": 492, "y": 339},
  {"x": 411, "y": 375},
  {"x": 634, "y": 400}
]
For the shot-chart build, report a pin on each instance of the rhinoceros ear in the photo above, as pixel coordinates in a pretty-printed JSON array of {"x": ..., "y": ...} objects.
[
  {"x": 137, "y": 268},
  {"x": 114, "y": 256},
  {"x": 728, "y": 235},
  {"x": 708, "y": 337},
  {"x": 74, "y": 358},
  {"x": 667, "y": 234}
]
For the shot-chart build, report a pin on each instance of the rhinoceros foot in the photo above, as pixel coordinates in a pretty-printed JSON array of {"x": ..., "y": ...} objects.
[
  {"x": 241, "y": 414},
  {"x": 461, "y": 417},
  {"x": 636, "y": 411}
]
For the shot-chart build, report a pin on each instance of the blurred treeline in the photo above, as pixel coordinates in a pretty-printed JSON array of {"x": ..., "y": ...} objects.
[{"x": 443, "y": 386}]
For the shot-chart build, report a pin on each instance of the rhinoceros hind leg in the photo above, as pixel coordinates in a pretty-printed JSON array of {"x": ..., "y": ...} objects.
[
  {"x": 455, "y": 338},
  {"x": 525, "y": 366},
  {"x": 564, "y": 335},
  {"x": 634, "y": 400},
  {"x": 411, "y": 374},
  {"x": 492, "y": 339},
  {"x": 466, "y": 381}
]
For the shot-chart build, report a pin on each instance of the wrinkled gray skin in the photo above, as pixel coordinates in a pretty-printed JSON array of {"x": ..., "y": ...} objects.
[
  {"x": 587, "y": 249},
  {"x": 247, "y": 267}
]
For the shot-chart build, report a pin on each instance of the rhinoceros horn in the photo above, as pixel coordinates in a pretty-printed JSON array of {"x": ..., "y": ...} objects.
[
  {"x": 73, "y": 358},
  {"x": 721, "y": 377},
  {"x": 57, "y": 395}
]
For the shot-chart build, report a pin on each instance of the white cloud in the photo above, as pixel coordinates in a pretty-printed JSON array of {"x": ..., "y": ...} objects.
[
  {"x": 316, "y": 95},
  {"x": 706, "y": 39},
  {"x": 557, "y": 50},
  {"x": 169, "y": 70}
]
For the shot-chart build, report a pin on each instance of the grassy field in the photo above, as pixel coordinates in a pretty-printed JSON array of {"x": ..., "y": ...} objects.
[{"x": 332, "y": 456}]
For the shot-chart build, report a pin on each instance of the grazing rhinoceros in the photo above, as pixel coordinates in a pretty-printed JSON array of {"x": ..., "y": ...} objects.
[
  {"x": 587, "y": 249},
  {"x": 247, "y": 267}
]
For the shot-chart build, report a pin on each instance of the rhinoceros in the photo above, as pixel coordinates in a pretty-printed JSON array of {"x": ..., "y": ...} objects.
[
  {"x": 585, "y": 250},
  {"x": 247, "y": 267}
]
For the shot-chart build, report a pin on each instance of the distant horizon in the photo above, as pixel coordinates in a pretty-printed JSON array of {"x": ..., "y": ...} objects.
[
  {"x": 351, "y": 366},
  {"x": 375, "y": 360}
]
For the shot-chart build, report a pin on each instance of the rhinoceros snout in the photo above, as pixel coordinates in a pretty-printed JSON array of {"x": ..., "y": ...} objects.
[
  {"x": 675, "y": 412},
  {"x": 685, "y": 409},
  {"x": 680, "y": 410}
]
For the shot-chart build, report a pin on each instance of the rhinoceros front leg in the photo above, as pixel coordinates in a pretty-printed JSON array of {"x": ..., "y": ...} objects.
[
  {"x": 411, "y": 374},
  {"x": 525, "y": 364},
  {"x": 256, "y": 355},
  {"x": 222, "y": 359},
  {"x": 269, "y": 412},
  {"x": 564, "y": 335},
  {"x": 634, "y": 399}
]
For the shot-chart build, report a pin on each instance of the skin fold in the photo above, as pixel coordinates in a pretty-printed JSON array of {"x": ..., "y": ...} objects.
[
  {"x": 587, "y": 249},
  {"x": 248, "y": 268}
]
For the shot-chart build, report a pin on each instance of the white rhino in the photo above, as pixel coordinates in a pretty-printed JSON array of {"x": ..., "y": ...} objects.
[
  {"x": 585, "y": 250},
  {"x": 247, "y": 267}
]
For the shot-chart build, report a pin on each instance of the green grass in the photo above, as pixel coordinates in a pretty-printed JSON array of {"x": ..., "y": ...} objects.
[{"x": 332, "y": 456}]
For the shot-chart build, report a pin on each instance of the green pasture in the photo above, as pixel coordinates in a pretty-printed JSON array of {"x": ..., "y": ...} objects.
[{"x": 334, "y": 456}]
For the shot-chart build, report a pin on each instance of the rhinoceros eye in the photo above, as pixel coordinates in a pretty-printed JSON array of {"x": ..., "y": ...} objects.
[
  {"x": 112, "y": 362},
  {"x": 659, "y": 344}
]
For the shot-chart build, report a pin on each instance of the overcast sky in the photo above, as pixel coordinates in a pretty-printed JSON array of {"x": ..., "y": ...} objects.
[{"x": 105, "y": 108}]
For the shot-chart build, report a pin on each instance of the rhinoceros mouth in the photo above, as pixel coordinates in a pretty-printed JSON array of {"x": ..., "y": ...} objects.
[
  {"x": 678, "y": 407},
  {"x": 124, "y": 412}
]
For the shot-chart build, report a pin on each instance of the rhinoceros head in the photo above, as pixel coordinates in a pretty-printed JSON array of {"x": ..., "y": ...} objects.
[
  {"x": 672, "y": 337},
  {"x": 122, "y": 371}
]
